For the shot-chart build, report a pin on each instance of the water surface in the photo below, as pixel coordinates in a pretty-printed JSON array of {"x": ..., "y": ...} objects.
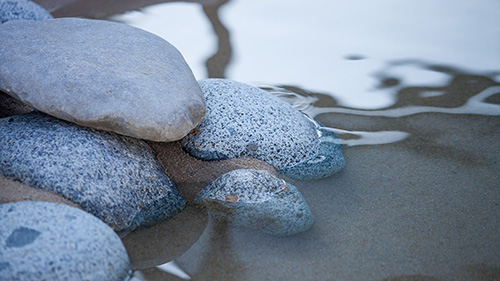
[{"x": 411, "y": 88}]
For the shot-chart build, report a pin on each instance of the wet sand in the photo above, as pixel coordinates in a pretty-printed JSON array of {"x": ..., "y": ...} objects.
[{"x": 425, "y": 208}]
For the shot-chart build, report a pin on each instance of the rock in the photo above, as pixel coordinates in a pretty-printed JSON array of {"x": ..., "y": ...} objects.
[
  {"x": 22, "y": 10},
  {"x": 10, "y": 106},
  {"x": 191, "y": 175},
  {"x": 14, "y": 191},
  {"x": 48, "y": 241},
  {"x": 113, "y": 177},
  {"x": 243, "y": 120},
  {"x": 257, "y": 200},
  {"x": 101, "y": 74}
]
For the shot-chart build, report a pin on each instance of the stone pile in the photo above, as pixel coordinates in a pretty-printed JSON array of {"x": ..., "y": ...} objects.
[{"x": 113, "y": 105}]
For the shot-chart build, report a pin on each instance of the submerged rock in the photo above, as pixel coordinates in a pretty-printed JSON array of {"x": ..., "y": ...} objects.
[
  {"x": 113, "y": 177},
  {"x": 191, "y": 175},
  {"x": 48, "y": 241},
  {"x": 257, "y": 200},
  {"x": 101, "y": 74},
  {"x": 22, "y": 10},
  {"x": 243, "y": 120}
]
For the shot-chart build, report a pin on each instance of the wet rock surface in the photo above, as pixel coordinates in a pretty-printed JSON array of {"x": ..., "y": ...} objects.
[
  {"x": 191, "y": 175},
  {"x": 113, "y": 177},
  {"x": 48, "y": 241},
  {"x": 131, "y": 81},
  {"x": 22, "y": 10},
  {"x": 243, "y": 120},
  {"x": 257, "y": 200}
]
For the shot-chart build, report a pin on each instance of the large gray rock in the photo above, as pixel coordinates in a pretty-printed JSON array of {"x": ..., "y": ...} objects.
[
  {"x": 101, "y": 74},
  {"x": 243, "y": 120},
  {"x": 257, "y": 200},
  {"x": 48, "y": 241},
  {"x": 22, "y": 10},
  {"x": 113, "y": 177}
]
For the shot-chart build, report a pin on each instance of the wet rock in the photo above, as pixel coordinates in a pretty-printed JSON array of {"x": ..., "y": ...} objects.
[
  {"x": 22, "y": 10},
  {"x": 257, "y": 200},
  {"x": 243, "y": 120},
  {"x": 113, "y": 177},
  {"x": 48, "y": 241},
  {"x": 101, "y": 74},
  {"x": 191, "y": 175}
]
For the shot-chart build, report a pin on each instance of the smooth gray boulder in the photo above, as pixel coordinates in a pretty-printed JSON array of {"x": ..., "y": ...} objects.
[
  {"x": 257, "y": 200},
  {"x": 101, "y": 74},
  {"x": 49, "y": 241},
  {"x": 243, "y": 120},
  {"x": 113, "y": 177},
  {"x": 22, "y": 10}
]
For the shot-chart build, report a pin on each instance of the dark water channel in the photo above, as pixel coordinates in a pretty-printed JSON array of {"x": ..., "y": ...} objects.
[{"x": 413, "y": 90}]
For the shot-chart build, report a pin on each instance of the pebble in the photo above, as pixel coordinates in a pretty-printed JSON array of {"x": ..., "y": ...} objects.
[
  {"x": 49, "y": 241},
  {"x": 101, "y": 74},
  {"x": 244, "y": 120},
  {"x": 191, "y": 175},
  {"x": 257, "y": 200},
  {"x": 113, "y": 177},
  {"x": 22, "y": 10}
]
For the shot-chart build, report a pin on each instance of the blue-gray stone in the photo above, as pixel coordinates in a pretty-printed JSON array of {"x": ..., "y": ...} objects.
[
  {"x": 243, "y": 120},
  {"x": 113, "y": 177},
  {"x": 51, "y": 246},
  {"x": 22, "y": 10},
  {"x": 257, "y": 200},
  {"x": 101, "y": 74}
]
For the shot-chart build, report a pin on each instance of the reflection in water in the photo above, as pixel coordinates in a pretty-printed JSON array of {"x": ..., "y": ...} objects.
[
  {"x": 464, "y": 94},
  {"x": 475, "y": 105},
  {"x": 217, "y": 64},
  {"x": 172, "y": 268},
  {"x": 354, "y": 138}
]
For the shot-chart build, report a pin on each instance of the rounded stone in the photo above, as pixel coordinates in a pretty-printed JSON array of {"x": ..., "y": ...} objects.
[
  {"x": 113, "y": 177},
  {"x": 257, "y": 200},
  {"x": 101, "y": 74},
  {"x": 22, "y": 10},
  {"x": 244, "y": 120},
  {"x": 48, "y": 241}
]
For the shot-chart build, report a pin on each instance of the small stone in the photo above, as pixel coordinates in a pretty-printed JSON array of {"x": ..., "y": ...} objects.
[
  {"x": 22, "y": 10},
  {"x": 101, "y": 74},
  {"x": 48, "y": 241},
  {"x": 243, "y": 121},
  {"x": 191, "y": 175},
  {"x": 113, "y": 177},
  {"x": 257, "y": 200}
]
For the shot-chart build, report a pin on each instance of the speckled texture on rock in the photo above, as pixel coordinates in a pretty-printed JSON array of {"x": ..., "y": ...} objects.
[
  {"x": 48, "y": 241},
  {"x": 22, "y": 10},
  {"x": 101, "y": 74},
  {"x": 113, "y": 177},
  {"x": 257, "y": 200},
  {"x": 191, "y": 175},
  {"x": 243, "y": 120}
]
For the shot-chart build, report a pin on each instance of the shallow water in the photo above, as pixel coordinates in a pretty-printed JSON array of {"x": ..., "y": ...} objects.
[{"x": 413, "y": 91}]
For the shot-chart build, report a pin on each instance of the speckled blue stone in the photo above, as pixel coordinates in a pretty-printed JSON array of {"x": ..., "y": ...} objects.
[
  {"x": 243, "y": 120},
  {"x": 257, "y": 200},
  {"x": 22, "y": 10},
  {"x": 48, "y": 241},
  {"x": 113, "y": 177}
]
